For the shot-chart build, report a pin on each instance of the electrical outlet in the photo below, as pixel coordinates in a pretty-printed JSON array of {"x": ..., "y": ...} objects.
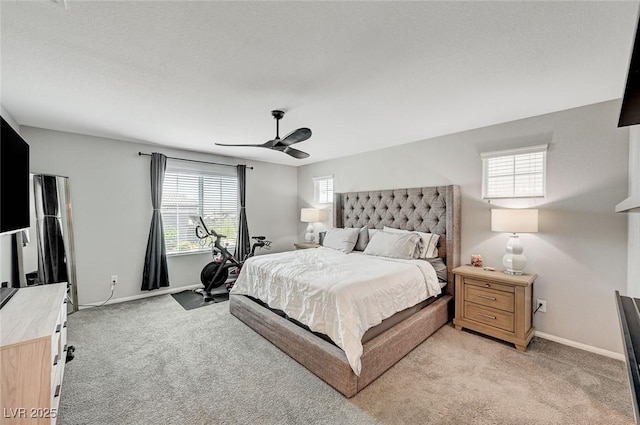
[
  {"x": 114, "y": 280},
  {"x": 543, "y": 306}
]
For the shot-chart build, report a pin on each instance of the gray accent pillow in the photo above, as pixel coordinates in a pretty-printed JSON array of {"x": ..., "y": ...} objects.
[
  {"x": 393, "y": 245},
  {"x": 341, "y": 239},
  {"x": 363, "y": 239},
  {"x": 429, "y": 245},
  {"x": 440, "y": 267}
]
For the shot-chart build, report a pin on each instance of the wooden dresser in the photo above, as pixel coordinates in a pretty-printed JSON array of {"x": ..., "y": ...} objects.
[
  {"x": 33, "y": 345},
  {"x": 495, "y": 304}
]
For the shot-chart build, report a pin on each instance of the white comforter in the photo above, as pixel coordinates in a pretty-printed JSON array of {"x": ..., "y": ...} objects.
[{"x": 340, "y": 295}]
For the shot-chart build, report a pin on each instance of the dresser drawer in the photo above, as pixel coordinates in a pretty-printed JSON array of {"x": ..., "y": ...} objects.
[
  {"x": 485, "y": 284},
  {"x": 489, "y": 316},
  {"x": 489, "y": 297}
]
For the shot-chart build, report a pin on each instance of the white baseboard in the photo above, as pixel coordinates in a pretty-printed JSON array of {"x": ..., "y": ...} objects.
[
  {"x": 146, "y": 295},
  {"x": 581, "y": 346}
]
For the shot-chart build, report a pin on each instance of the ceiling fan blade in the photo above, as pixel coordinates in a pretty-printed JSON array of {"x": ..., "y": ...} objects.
[
  {"x": 296, "y": 136},
  {"x": 295, "y": 153},
  {"x": 253, "y": 146},
  {"x": 270, "y": 144}
]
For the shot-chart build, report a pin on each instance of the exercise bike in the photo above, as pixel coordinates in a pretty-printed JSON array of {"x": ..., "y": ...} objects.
[{"x": 225, "y": 268}]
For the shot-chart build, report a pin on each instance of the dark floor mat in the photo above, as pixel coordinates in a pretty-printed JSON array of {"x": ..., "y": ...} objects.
[{"x": 190, "y": 299}]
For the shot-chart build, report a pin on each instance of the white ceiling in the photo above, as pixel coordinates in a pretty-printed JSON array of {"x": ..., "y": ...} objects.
[{"x": 361, "y": 75}]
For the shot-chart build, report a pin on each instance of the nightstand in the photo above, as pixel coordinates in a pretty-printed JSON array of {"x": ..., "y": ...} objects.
[
  {"x": 495, "y": 304},
  {"x": 306, "y": 245}
]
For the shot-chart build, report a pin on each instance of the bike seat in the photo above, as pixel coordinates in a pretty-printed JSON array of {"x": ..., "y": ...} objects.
[{"x": 259, "y": 238}]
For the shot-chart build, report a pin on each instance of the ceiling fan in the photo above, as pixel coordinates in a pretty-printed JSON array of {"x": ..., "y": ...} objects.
[{"x": 284, "y": 144}]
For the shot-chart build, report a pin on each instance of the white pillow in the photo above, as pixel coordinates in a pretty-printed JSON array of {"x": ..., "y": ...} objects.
[
  {"x": 341, "y": 239},
  {"x": 429, "y": 247},
  {"x": 393, "y": 245}
]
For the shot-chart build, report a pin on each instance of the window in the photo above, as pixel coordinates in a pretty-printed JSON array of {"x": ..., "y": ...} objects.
[
  {"x": 212, "y": 195},
  {"x": 514, "y": 173},
  {"x": 323, "y": 190}
]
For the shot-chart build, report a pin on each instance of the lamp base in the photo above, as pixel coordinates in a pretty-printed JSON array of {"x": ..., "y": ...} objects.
[
  {"x": 309, "y": 235},
  {"x": 514, "y": 259}
]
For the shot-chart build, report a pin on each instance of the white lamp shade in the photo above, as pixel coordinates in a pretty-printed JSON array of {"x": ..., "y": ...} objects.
[
  {"x": 514, "y": 221},
  {"x": 310, "y": 215}
]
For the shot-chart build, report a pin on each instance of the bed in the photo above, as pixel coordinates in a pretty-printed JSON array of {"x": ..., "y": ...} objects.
[{"x": 428, "y": 209}]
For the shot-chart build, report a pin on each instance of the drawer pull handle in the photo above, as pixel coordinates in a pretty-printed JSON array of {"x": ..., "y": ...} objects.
[
  {"x": 487, "y": 285},
  {"x": 488, "y": 316},
  {"x": 487, "y": 297},
  {"x": 58, "y": 329},
  {"x": 57, "y": 392},
  {"x": 55, "y": 360}
]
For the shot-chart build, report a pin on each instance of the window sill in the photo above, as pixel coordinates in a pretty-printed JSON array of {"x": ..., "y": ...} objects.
[
  {"x": 181, "y": 254},
  {"x": 487, "y": 198},
  {"x": 208, "y": 252}
]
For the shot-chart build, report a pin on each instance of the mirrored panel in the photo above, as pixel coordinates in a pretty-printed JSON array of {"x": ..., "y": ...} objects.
[{"x": 45, "y": 251}]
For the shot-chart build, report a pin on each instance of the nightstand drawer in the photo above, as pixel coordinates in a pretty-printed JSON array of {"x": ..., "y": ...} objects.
[
  {"x": 485, "y": 284},
  {"x": 489, "y": 297},
  {"x": 489, "y": 316}
]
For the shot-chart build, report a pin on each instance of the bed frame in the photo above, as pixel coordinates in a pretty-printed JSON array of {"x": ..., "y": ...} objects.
[{"x": 428, "y": 209}]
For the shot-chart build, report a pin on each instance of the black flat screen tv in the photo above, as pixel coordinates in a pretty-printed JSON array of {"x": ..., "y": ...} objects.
[
  {"x": 14, "y": 180},
  {"x": 630, "y": 110},
  {"x": 629, "y": 319}
]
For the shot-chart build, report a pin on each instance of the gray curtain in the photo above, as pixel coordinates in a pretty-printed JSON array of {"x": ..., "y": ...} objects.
[
  {"x": 243, "y": 244},
  {"x": 52, "y": 259},
  {"x": 156, "y": 274}
]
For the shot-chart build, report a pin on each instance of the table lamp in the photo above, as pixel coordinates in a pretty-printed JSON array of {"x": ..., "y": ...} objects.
[
  {"x": 310, "y": 215},
  {"x": 514, "y": 221}
]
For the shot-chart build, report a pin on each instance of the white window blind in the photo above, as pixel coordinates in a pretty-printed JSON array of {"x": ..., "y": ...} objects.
[
  {"x": 515, "y": 173},
  {"x": 323, "y": 190},
  {"x": 214, "y": 196}
]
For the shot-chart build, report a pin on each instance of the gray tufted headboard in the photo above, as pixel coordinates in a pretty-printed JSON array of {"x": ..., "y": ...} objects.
[{"x": 426, "y": 209}]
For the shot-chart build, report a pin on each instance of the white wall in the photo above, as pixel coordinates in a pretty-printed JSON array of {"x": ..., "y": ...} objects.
[
  {"x": 580, "y": 253},
  {"x": 5, "y": 258},
  {"x": 633, "y": 219},
  {"x": 9, "y": 118},
  {"x": 110, "y": 195}
]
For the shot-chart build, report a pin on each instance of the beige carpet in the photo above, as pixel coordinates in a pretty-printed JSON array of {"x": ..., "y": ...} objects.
[{"x": 152, "y": 362}]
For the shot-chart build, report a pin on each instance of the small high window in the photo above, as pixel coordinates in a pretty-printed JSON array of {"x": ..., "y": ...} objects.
[
  {"x": 323, "y": 190},
  {"x": 514, "y": 173}
]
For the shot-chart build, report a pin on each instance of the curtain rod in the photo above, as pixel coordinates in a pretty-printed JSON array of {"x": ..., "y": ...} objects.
[{"x": 194, "y": 160}]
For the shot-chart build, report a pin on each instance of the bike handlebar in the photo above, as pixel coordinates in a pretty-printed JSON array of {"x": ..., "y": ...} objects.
[{"x": 201, "y": 226}]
